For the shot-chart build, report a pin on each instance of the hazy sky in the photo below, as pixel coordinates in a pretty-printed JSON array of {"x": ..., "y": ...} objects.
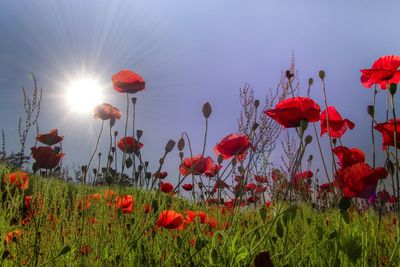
[{"x": 189, "y": 52}]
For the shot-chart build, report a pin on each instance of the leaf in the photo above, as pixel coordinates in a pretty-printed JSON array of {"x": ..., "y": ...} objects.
[
  {"x": 242, "y": 254},
  {"x": 214, "y": 256},
  {"x": 279, "y": 229},
  {"x": 64, "y": 250}
]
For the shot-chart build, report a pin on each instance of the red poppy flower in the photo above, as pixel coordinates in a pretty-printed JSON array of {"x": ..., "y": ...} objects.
[
  {"x": 45, "y": 157},
  {"x": 298, "y": 177},
  {"x": 18, "y": 179},
  {"x": 129, "y": 144},
  {"x": 383, "y": 196},
  {"x": 212, "y": 170},
  {"x": 251, "y": 187},
  {"x": 147, "y": 208},
  {"x": 106, "y": 112},
  {"x": 166, "y": 187},
  {"x": 253, "y": 199},
  {"x": 187, "y": 187},
  {"x": 337, "y": 125},
  {"x": 290, "y": 112},
  {"x": 125, "y": 203},
  {"x": 50, "y": 138},
  {"x": 348, "y": 156},
  {"x": 261, "y": 179},
  {"x": 27, "y": 203},
  {"x": 127, "y": 81},
  {"x": 326, "y": 187},
  {"x": 197, "y": 165},
  {"x": 191, "y": 216},
  {"x": 359, "y": 180},
  {"x": 261, "y": 189},
  {"x": 169, "y": 219},
  {"x": 387, "y": 131},
  {"x": 384, "y": 71},
  {"x": 233, "y": 145},
  {"x": 13, "y": 236}
]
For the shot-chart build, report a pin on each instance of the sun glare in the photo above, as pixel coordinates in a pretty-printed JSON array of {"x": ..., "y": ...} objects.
[{"x": 83, "y": 95}]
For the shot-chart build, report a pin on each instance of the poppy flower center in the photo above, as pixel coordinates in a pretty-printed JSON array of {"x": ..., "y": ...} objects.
[{"x": 82, "y": 95}]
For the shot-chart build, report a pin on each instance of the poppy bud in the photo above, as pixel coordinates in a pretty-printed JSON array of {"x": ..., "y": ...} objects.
[
  {"x": 289, "y": 75},
  {"x": 115, "y": 133},
  {"x": 310, "y": 81},
  {"x": 148, "y": 175},
  {"x": 99, "y": 154},
  {"x": 35, "y": 167},
  {"x": 234, "y": 162},
  {"x": 392, "y": 88},
  {"x": 57, "y": 149},
  {"x": 310, "y": 158},
  {"x": 94, "y": 171},
  {"x": 113, "y": 149},
  {"x": 181, "y": 155},
  {"x": 134, "y": 100},
  {"x": 255, "y": 126},
  {"x": 256, "y": 103},
  {"x": 128, "y": 162},
  {"x": 321, "y": 74},
  {"x": 170, "y": 145},
  {"x": 207, "y": 110},
  {"x": 334, "y": 141},
  {"x": 220, "y": 158},
  {"x": 112, "y": 122},
  {"x": 139, "y": 133},
  {"x": 146, "y": 163},
  {"x": 371, "y": 110},
  {"x": 181, "y": 144},
  {"x": 303, "y": 125},
  {"x": 308, "y": 139},
  {"x": 140, "y": 168},
  {"x": 84, "y": 168}
]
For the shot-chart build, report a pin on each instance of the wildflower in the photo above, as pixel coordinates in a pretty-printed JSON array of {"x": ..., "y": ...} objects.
[
  {"x": 233, "y": 145},
  {"x": 50, "y": 138},
  {"x": 359, "y": 180},
  {"x": 261, "y": 179},
  {"x": 127, "y": 81},
  {"x": 187, "y": 187},
  {"x": 348, "y": 156},
  {"x": 197, "y": 165},
  {"x": 387, "y": 131},
  {"x": 337, "y": 125},
  {"x": 46, "y": 157},
  {"x": 160, "y": 175},
  {"x": 129, "y": 145},
  {"x": 106, "y": 111},
  {"x": 290, "y": 112},
  {"x": 147, "y": 208},
  {"x": 13, "y": 236},
  {"x": 166, "y": 187},
  {"x": 18, "y": 179},
  {"x": 169, "y": 219},
  {"x": 251, "y": 187},
  {"x": 384, "y": 71},
  {"x": 125, "y": 203}
]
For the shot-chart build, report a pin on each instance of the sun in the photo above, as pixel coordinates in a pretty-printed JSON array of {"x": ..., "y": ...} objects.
[{"x": 83, "y": 94}]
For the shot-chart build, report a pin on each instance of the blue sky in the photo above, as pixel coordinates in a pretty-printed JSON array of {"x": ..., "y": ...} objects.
[{"x": 189, "y": 52}]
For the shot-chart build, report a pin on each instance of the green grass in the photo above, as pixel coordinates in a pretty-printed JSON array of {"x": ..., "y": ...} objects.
[{"x": 294, "y": 236}]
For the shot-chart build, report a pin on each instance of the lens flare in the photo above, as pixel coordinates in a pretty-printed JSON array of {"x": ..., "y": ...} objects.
[{"x": 83, "y": 95}]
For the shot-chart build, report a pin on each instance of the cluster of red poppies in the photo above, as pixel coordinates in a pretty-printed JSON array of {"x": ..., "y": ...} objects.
[{"x": 47, "y": 157}]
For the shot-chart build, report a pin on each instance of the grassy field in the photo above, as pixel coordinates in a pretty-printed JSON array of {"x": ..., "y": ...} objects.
[{"x": 62, "y": 229}]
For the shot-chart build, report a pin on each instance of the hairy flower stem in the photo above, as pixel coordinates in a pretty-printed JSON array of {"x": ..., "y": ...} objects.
[
  {"x": 94, "y": 153},
  {"x": 322, "y": 155},
  {"x": 372, "y": 128},
  {"x": 125, "y": 132},
  {"x": 133, "y": 135},
  {"x": 396, "y": 155}
]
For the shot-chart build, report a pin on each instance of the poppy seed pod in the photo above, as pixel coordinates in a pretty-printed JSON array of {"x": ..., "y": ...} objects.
[
  {"x": 128, "y": 162},
  {"x": 169, "y": 146},
  {"x": 207, "y": 110},
  {"x": 84, "y": 168},
  {"x": 181, "y": 144},
  {"x": 308, "y": 139},
  {"x": 289, "y": 74},
  {"x": 181, "y": 155},
  {"x": 115, "y": 133},
  {"x": 112, "y": 122},
  {"x": 321, "y": 74},
  {"x": 257, "y": 103},
  {"x": 310, "y": 81},
  {"x": 393, "y": 88},
  {"x": 371, "y": 110},
  {"x": 134, "y": 100},
  {"x": 139, "y": 133},
  {"x": 146, "y": 163},
  {"x": 113, "y": 149}
]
